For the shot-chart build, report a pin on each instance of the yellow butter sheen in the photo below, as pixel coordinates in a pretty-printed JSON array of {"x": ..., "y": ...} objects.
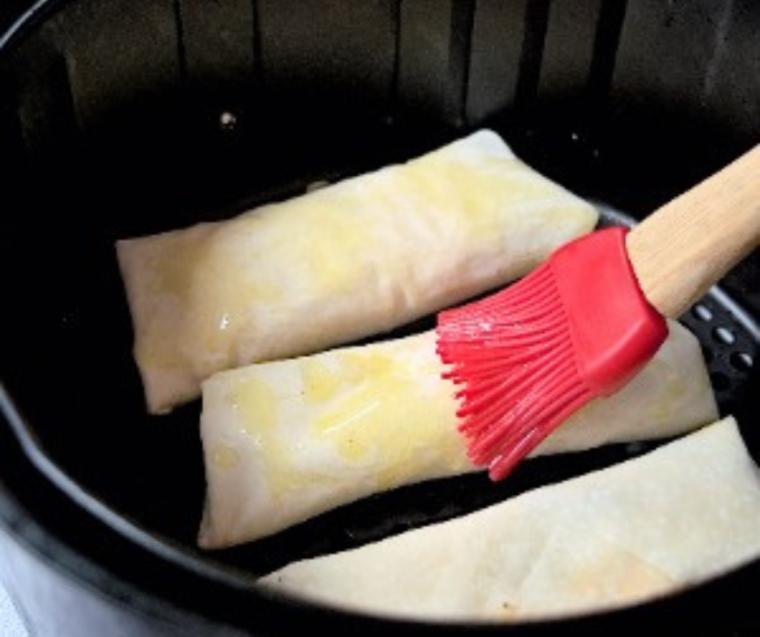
[
  {"x": 317, "y": 432},
  {"x": 346, "y": 261}
]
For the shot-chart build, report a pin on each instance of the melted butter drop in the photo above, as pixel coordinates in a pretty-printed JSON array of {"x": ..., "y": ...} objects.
[
  {"x": 351, "y": 425},
  {"x": 320, "y": 382},
  {"x": 180, "y": 256},
  {"x": 224, "y": 457}
]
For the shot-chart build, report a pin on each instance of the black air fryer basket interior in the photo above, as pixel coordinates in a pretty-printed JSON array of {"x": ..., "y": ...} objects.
[{"x": 127, "y": 117}]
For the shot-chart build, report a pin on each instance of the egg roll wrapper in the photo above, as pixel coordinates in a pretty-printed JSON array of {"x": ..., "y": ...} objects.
[
  {"x": 346, "y": 261},
  {"x": 656, "y": 524},
  {"x": 287, "y": 440}
]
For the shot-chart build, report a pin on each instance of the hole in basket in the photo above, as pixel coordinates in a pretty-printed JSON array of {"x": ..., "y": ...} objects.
[
  {"x": 228, "y": 121},
  {"x": 741, "y": 361},
  {"x": 720, "y": 382},
  {"x": 724, "y": 335},
  {"x": 702, "y": 312}
]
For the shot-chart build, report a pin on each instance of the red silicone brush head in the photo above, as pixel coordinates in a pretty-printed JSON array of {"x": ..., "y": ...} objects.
[{"x": 526, "y": 358}]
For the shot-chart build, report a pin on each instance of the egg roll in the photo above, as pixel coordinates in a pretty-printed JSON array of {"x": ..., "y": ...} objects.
[
  {"x": 287, "y": 440},
  {"x": 349, "y": 260},
  {"x": 669, "y": 519}
]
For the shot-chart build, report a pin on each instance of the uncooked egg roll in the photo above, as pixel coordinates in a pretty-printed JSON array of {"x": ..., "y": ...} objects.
[
  {"x": 340, "y": 263},
  {"x": 667, "y": 520},
  {"x": 287, "y": 440}
]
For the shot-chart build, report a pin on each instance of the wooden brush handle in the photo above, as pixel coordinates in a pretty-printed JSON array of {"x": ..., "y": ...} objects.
[{"x": 690, "y": 243}]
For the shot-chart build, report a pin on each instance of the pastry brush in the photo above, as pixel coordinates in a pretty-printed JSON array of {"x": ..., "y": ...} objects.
[{"x": 582, "y": 324}]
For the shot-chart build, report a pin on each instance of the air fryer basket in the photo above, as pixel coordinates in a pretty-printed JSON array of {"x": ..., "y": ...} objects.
[{"x": 126, "y": 117}]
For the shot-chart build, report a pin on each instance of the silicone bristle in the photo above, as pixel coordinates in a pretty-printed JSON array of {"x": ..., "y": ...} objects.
[
  {"x": 512, "y": 356},
  {"x": 525, "y": 359}
]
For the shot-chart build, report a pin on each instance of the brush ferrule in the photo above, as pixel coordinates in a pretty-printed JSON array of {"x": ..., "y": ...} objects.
[{"x": 614, "y": 328}]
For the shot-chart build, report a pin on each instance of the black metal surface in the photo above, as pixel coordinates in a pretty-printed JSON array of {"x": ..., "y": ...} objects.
[{"x": 123, "y": 118}]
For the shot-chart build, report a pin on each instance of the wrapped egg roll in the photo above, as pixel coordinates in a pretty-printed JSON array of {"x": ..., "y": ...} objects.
[
  {"x": 287, "y": 440},
  {"x": 685, "y": 512},
  {"x": 340, "y": 263}
]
